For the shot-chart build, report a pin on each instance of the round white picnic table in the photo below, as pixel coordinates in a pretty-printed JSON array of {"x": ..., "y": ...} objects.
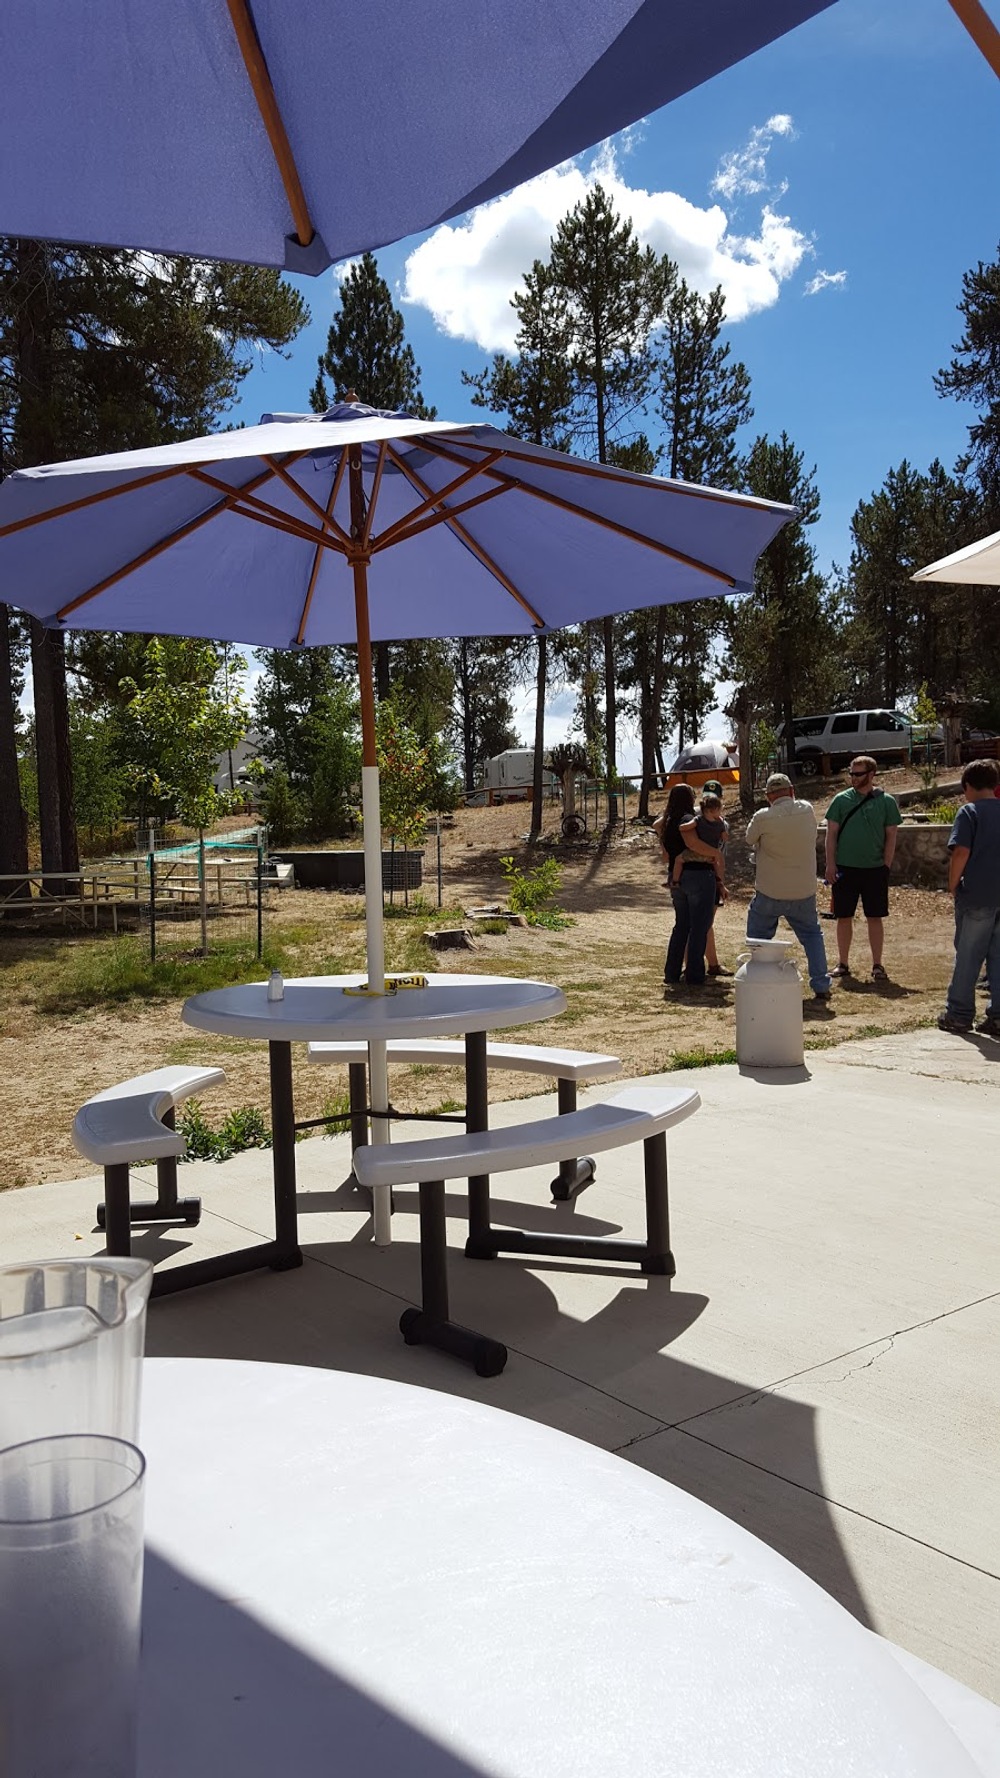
[
  {"x": 317, "y": 1008},
  {"x": 353, "y": 1576}
]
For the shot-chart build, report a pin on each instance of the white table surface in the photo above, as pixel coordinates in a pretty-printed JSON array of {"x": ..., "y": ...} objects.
[
  {"x": 315, "y": 1007},
  {"x": 351, "y": 1576}
]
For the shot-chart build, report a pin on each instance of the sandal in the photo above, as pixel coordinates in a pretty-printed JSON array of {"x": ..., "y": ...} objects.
[
  {"x": 878, "y": 973},
  {"x": 841, "y": 969}
]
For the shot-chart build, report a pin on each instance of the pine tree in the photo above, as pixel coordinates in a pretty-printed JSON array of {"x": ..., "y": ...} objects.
[
  {"x": 534, "y": 393},
  {"x": 366, "y": 351},
  {"x": 111, "y": 350},
  {"x": 974, "y": 376},
  {"x": 782, "y": 633},
  {"x": 614, "y": 291}
]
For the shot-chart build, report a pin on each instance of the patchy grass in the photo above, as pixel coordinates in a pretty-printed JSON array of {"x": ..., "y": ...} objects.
[
  {"x": 698, "y": 1058},
  {"x": 120, "y": 970}
]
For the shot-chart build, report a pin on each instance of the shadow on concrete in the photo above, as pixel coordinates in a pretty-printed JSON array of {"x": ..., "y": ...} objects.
[{"x": 776, "y": 1077}]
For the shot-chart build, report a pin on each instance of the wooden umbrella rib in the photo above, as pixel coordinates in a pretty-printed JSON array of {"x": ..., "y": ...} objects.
[
  {"x": 437, "y": 518},
  {"x": 290, "y": 528},
  {"x": 366, "y": 534},
  {"x": 576, "y": 466},
  {"x": 593, "y": 518},
  {"x": 324, "y": 514},
  {"x": 404, "y": 525},
  {"x": 267, "y": 104},
  {"x": 318, "y": 556},
  {"x": 252, "y": 507},
  {"x": 981, "y": 29},
  {"x": 60, "y": 512},
  {"x": 157, "y": 549},
  {"x": 473, "y": 547}
]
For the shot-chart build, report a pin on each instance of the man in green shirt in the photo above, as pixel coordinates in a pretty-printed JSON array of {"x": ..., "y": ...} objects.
[{"x": 861, "y": 828}]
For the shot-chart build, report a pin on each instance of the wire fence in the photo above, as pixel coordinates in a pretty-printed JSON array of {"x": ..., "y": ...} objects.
[{"x": 186, "y": 900}]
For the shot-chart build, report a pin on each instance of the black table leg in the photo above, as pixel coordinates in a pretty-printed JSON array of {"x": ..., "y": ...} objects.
[
  {"x": 429, "y": 1325},
  {"x": 284, "y": 1252},
  {"x": 477, "y": 1117},
  {"x": 287, "y": 1252}
]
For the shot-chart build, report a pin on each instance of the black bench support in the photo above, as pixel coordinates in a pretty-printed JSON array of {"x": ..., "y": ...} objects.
[
  {"x": 572, "y": 1175},
  {"x": 430, "y": 1324},
  {"x": 653, "y": 1254},
  {"x": 167, "y": 1207}
]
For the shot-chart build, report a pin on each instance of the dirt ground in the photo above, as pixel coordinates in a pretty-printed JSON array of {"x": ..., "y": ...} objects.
[{"x": 609, "y": 963}]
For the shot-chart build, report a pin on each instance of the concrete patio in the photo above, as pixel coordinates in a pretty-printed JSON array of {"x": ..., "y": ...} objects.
[{"x": 821, "y": 1370}]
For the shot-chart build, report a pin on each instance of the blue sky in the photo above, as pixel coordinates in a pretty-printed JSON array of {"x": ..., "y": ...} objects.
[{"x": 837, "y": 184}]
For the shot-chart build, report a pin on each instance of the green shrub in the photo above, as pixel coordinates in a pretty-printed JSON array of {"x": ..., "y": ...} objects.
[
  {"x": 942, "y": 812},
  {"x": 529, "y": 890},
  {"x": 240, "y": 1129}
]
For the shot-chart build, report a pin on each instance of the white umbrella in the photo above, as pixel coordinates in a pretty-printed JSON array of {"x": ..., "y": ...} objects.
[{"x": 978, "y": 564}]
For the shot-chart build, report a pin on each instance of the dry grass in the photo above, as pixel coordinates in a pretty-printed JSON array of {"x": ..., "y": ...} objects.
[{"x": 609, "y": 963}]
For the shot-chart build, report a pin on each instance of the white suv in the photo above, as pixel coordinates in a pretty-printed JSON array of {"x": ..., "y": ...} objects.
[{"x": 842, "y": 735}]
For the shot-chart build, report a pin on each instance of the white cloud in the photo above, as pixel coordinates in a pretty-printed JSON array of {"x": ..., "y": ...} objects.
[
  {"x": 824, "y": 281},
  {"x": 465, "y": 273},
  {"x": 743, "y": 173}
]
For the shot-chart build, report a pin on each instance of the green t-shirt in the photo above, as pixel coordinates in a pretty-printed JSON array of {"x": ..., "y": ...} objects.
[{"x": 862, "y": 843}]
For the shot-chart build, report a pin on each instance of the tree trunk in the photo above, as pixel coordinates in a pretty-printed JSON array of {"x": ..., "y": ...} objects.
[
  {"x": 49, "y": 822},
  {"x": 35, "y": 442},
  {"x": 69, "y": 845},
  {"x": 13, "y": 819},
  {"x": 610, "y": 717},
  {"x": 202, "y": 892},
  {"x": 539, "y": 760},
  {"x": 744, "y": 743}
]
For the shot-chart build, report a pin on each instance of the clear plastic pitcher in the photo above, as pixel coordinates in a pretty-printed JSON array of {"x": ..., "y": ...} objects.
[{"x": 72, "y": 1333}]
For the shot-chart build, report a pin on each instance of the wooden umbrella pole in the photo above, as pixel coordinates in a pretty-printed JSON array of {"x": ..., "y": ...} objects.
[
  {"x": 981, "y": 29},
  {"x": 378, "y": 1071}
]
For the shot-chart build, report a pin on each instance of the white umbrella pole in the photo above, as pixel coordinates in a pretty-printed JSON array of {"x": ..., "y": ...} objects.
[{"x": 378, "y": 1072}]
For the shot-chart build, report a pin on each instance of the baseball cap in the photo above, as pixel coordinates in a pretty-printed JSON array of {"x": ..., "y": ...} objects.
[
  {"x": 779, "y": 781},
  {"x": 713, "y": 786}
]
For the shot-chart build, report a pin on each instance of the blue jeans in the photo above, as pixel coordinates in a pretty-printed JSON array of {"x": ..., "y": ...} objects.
[
  {"x": 694, "y": 905},
  {"x": 977, "y": 941},
  {"x": 763, "y": 915}
]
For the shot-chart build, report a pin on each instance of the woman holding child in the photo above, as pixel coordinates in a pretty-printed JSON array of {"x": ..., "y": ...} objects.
[{"x": 692, "y": 844}]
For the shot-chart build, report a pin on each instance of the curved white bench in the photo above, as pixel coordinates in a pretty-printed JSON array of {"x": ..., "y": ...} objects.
[
  {"x": 639, "y": 1114},
  {"x": 569, "y": 1068},
  {"x": 131, "y": 1122}
]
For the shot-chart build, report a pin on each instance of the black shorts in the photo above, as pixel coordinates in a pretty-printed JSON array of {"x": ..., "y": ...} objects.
[{"x": 872, "y": 886}]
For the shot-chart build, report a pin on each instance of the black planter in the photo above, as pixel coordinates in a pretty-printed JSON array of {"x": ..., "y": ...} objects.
[{"x": 346, "y": 870}]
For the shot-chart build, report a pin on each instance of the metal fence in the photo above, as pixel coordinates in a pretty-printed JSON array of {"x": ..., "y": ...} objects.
[{"x": 190, "y": 899}]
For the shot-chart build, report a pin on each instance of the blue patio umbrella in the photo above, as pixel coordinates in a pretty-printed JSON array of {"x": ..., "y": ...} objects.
[
  {"x": 363, "y": 525},
  {"x": 294, "y": 132}
]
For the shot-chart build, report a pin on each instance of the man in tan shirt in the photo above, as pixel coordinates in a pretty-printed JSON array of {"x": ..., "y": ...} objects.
[{"x": 783, "y": 837}]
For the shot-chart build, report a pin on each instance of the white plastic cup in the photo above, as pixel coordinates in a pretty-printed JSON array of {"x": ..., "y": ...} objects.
[{"x": 70, "y": 1605}]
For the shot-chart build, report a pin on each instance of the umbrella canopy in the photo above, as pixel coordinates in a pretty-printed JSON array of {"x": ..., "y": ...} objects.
[
  {"x": 248, "y": 536},
  {"x": 978, "y": 564},
  {"x": 357, "y": 525},
  {"x": 295, "y": 134}
]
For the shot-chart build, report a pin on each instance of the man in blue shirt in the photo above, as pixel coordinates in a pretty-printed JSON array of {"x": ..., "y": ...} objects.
[{"x": 974, "y": 881}]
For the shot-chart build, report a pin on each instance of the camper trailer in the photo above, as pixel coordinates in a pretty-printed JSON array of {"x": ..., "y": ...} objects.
[{"x": 508, "y": 778}]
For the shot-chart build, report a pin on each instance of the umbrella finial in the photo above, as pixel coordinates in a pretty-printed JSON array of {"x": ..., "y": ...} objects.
[{"x": 351, "y": 395}]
